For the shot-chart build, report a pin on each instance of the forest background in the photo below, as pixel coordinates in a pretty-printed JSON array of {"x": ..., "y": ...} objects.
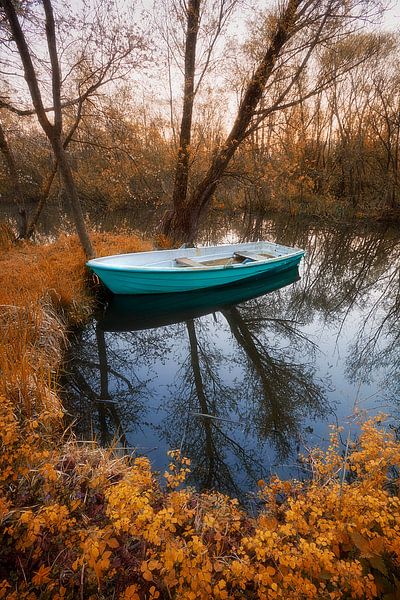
[{"x": 323, "y": 140}]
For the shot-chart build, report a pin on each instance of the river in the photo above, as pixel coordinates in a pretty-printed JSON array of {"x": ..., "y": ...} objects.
[{"x": 244, "y": 382}]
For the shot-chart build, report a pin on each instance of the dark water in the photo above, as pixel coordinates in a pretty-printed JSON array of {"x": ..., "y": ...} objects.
[{"x": 242, "y": 380}]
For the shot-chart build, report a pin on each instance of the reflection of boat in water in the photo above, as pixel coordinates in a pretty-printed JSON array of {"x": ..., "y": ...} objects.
[
  {"x": 179, "y": 270},
  {"x": 129, "y": 313}
]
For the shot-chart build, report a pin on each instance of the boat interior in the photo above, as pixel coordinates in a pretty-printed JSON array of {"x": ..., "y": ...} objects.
[
  {"x": 207, "y": 256},
  {"x": 236, "y": 258}
]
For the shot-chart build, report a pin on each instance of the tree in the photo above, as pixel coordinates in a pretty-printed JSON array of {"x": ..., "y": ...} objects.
[
  {"x": 18, "y": 197},
  {"x": 53, "y": 131},
  {"x": 287, "y": 42},
  {"x": 95, "y": 48}
]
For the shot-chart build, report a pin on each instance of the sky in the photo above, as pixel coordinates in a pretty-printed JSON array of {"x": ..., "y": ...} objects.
[
  {"x": 392, "y": 16},
  {"x": 153, "y": 84}
]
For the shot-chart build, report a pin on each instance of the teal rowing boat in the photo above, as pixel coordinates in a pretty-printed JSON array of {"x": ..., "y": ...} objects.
[{"x": 185, "y": 270}]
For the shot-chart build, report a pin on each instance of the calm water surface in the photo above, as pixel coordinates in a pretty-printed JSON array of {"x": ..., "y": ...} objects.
[{"x": 243, "y": 380}]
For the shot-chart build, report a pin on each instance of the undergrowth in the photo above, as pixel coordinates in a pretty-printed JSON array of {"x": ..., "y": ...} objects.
[{"x": 77, "y": 522}]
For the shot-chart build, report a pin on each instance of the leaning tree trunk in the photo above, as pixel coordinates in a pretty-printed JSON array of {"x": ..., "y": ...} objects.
[
  {"x": 183, "y": 223},
  {"x": 53, "y": 131}
]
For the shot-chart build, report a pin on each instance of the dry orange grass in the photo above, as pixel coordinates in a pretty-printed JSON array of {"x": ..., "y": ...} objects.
[
  {"x": 29, "y": 272},
  {"x": 42, "y": 288}
]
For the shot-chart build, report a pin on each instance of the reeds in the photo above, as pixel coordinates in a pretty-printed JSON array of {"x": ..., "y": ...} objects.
[{"x": 43, "y": 290}]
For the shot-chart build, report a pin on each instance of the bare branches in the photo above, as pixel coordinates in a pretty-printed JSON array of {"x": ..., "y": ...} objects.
[
  {"x": 225, "y": 10},
  {"x": 29, "y": 70},
  {"x": 327, "y": 80}
]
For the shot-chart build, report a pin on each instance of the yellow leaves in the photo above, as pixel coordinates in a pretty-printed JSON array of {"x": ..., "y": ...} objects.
[
  {"x": 148, "y": 566},
  {"x": 26, "y": 516},
  {"x": 219, "y": 590},
  {"x": 147, "y": 575},
  {"x": 4, "y": 586},
  {"x": 153, "y": 564},
  {"x": 177, "y": 470},
  {"x": 312, "y": 539},
  {"x": 361, "y": 543},
  {"x": 130, "y": 593},
  {"x": 60, "y": 595},
  {"x": 41, "y": 576},
  {"x": 274, "y": 587},
  {"x": 113, "y": 543},
  {"x": 153, "y": 593},
  {"x": 48, "y": 472}
]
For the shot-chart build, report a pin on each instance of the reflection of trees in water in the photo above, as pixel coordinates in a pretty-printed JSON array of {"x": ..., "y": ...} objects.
[
  {"x": 199, "y": 423},
  {"x": 359, "y": 277},
  {"x": 213, "y": 422},
  {"x": 101, "y": 386},
  {"x": 361, "y": 274},
  {"x": 377, "y": 346},
  {"x": 343, "y": 265},
  {"x": 279, "y": 392},
  {"x": 345, "y": 271}
]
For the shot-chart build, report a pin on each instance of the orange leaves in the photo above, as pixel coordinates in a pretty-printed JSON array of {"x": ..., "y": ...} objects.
[
  {"x": 325, "y": 541},
  {"x": 94, "y": 553},
  {"x": 146, "y": 573},
  {"x": 4, "y": 586},
  {"x": 41, "y": 576},
  {"x": 177, "y": 470},
  {"x": 219, "y": 590},
  {"x": 130, "y": 593},
  {"x": 147, "y": 567},
  {"x": 48, "y": 471}
]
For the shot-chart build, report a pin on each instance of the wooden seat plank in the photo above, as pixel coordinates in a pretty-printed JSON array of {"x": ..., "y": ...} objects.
[
  {"x": 184, "y": 261},
  {"x": 253, "y": 255}
]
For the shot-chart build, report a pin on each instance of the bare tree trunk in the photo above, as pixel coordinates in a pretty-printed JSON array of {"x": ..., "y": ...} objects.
[
  {"x": 182, "y": 167},
  {"x": 18, "y": 196},
  {"x": 72, "y": 193},
  {"x": 52, "y": 131},
  {"x": 46, "y": 190},
  {"x": 31, "y": 227}
]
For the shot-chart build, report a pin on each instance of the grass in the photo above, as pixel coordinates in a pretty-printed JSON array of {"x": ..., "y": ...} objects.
[{"x": 43, "y": 290}]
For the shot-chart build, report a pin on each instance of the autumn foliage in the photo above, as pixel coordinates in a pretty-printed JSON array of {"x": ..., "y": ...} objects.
[{"x": 79, "y": 522}]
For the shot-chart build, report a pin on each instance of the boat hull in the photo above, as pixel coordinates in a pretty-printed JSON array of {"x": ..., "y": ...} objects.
[
  {"x": 135, "y": 312},
  {"x": 158, "y": 281}
]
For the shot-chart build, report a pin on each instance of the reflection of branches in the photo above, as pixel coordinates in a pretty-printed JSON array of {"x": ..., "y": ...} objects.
[
  {"x": 197, "y": 421},
  {"x": 378, "y": 346},
  {"x": 341, "y": 268},
  {"x": 280, "y": 392},
  {"x": 354, "y": 277},
  {"x": 96, "y": 366},
  {"x": 86, "y": 375}
]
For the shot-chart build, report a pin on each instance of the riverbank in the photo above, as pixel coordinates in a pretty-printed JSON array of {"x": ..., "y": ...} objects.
[
  {"x": 77, "y": 522},
  {"x": 223, "y": 217}
]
